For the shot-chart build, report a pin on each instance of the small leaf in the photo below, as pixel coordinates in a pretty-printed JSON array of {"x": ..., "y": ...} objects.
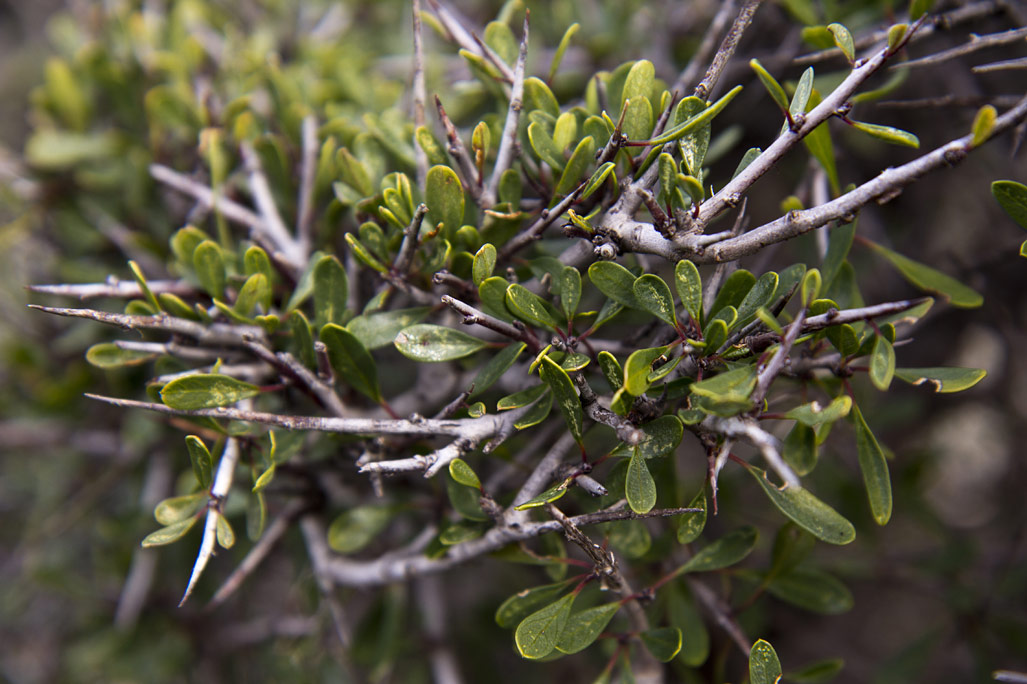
[
  {"x": 351, "y": 361},
  {"x": 565, "y": 41},
  {"x": 224, "y": 532},
  {"x": 697, "y": 121},
  {"x": 492, "y": 293},
  {"x": 550, "y": 495},
  {"x": 110, "y": 355},
  {"x": 614, "y": 281},
  {"x": 612, "y": 370},
  {"x": 726, "y": 393},
  {"x": 205, "y": 391},
  {"x": 984, "y": 124},
  {"x": 639, "y": 485},
  {"x": 733, "y": 291},
  {"x": 843, "y": 39},
  {"x": 927, "y": 278},
  {"x": 255, "y": 290},
  {"x": 565, "y": 395},
  {"x": 521, "y": 398},
  {"x": 799, "y": 449},
  {"x": 819, "y": 144},
  {"x": 178, "y": 508},
  {"x": 434, "y": 343},
  {"x": 265, "y": 479},
  {"x": 806, "y": 510},
  {"x": 654, "y": 296},
  {"x": 814, "y": 414},
  {"x": 637, "y": 122},
  {"x": 809, "y": 289},
  {"x": 638, "y": 367},
  {"x": 201, "y": 460},
  {"x": 663, "y": 643},
  {"x": 302, "y": 338},
  {"x": 570, "y": 290},
  {"x": 820, "y": 671},
  {"x": 460, "y": 533},
  {"x": 695, "y": 646},
  {"x": 529, "y": 307},
  {"x": 537, "y": 95},
  {"x": 917, "y": 9},
  {"x": 732, "y": 548},
  {"x": 758, "y": 296},
  {"x": 379, "y": 329},
  {"x": 1012, "y": 197},
  {"x": 331, "y": 291},
  {"x": 689, "y": 287},
  {"x": 777, "y": 93},
  {"x": 691, "y": 525},
  {"x": 695, "y": 145},
  {"x": 895, "y": 136},
  {"x": 169, "y": 534},
  {"x": 662, "y": 436},
  {"x": 357, "y": 527},
  {"x": 577, "y": 165},
  {"x": 896, "y": 34},
  {"x": 432, "y": 149},
  {"x": 942, "y": 379},
  {"x": 143, "y": 285},
  {"x": 466, "y": 501},
  {"x": 209, "y": 264},
  {"x": 597, "y": 178},
  {"x": 524, "y": 603},
  {"x": 537, "y": 635},
  {"x": 363, "y": 254},
  {"x": 496, "y": 367},
  {"x": 874, "y": 467},
  {"x": 544, "y": 146},
  {"x": 444, "y": 197},
  {"x": 814, "y": 590},
  {"x": 764, "y": 666},
  {"x": 463, "y": 473},
  {"x": 484, "y": 263},
  {"x": 584, "y": 627},
  {"x": 882, "y": 363}
]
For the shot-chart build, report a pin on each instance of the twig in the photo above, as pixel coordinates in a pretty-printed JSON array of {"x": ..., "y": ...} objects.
[
  {"x": 308, "y": 169},
  {"x": 408, "y": 249},
  {"x": 174, "y": 349},
  {"x": 774, "y": 366},
  {"x": 431, "y": 600},
  {"x": 727, "y": 49},
  {"x": 320, "y": 560},
  {"x": 627, "y": 431},
  {"x": 466, "y": 40},
  {"x": 115, "y": 288},
  {"x": 218, "y": 492},
  {"x": 457, "y": 150},
  {"x": 420, "y": 95},
  {"x": 748, "y": 429},
  {"x": 720, "y": 612},
  {"x": 508, "y": 141},
  {"x": 473, "y": 316},
  {"x": 256, "y": 555},
  {"x": 709, "y": 42},
  {"x": 207, "y": 198},
  {"x": 975, "y": 43},
  {"x": 1004, "y": 65},
  {"x": 288, "y": 365},
  {"x": 274, "y": 226},
  {"x": 545, "y": 219}
]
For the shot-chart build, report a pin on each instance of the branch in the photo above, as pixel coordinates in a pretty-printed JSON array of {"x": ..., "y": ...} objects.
[
  {"x": 273, "y": 226},
  {"x": 466, "y": 40},
  {"x": 308, "y": 170},
  {"x": 116, "y": 288},
  {"x": 761, "y": 439},
  {"x": 207, "y": 198},
  {"x": 627, "y": 431},
  {"x": 973, "y": 45},
  {"x": 420, "y": 96},
  {"x": 457, "y": 150},
  {"x": 474, "y": 317},
  {"x": 508, "y": 141},
  {"x": 727, "y": 49},
  {"x": 320, "y": 560},
  {"x": 408, "y": 249},
  {"x": 705, "y": 51},
  {"x": 771, "y": 370}
]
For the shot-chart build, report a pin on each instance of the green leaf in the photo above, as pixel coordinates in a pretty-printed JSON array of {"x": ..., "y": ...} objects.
[
  {"x": 814, "y": 414},
  {"x": 777, "y": 93},
  {"x": 1012, "y": 197},
  {"x": 874, "y": 466},
  {"x": 484, "y": 263},
  {"x": 357, "y": 527},
  {"x": 331, "y": 291},
  {"x": 838, "y": 245},
  {"x": 662, "y": 436},
  {"x": 110, "y": 355},
  {"x": 354, "y": 173},
  {"x": 569, "y": 281},
  {"x": 496, "y": 366},
  {"x": 733, "y": 291},
  {"x": 758, "y": 296},
  {"x": 255, "y": 290},
  {"x": 984, "y": 123},
  {"x": 351, "y": 361},
  {"x": 524, "y": 603},
  {"x": 529, "y": 307},
  {"x": 537, "y": 413},
  {"x": 544, "y": 146},
  {"x": 143, "y": 285},
  {"x": 55, "y": 150},
  {"x": 205, "y": 391},
  {"x": 727, "y": 393},
  {"x": 689, "y": 287},
  {"x": 639, "y": 80},
  {"x": 637, "y": 122},
  {"x": 917, "y": 9},
  {"x": 178, "y": 508},
  {"x": 882, "y": 363},
  {"x": 942, "y": 379},
  {"x": 764, "y": 666},
  {"x": 521, "y": 398},
  {"x": 695, "y": 145},
  {"x": 550, "y": 495},
  {"x": 654, "y": 296},
  {"x": 806, "y": 510},
  {"x": 639, "y": 485},
  {"x": 265, "y": 478},
  {"x": 444, "y": 197},
  {"x": 638, "y": 367},
  {"x": 209, "y": 264},
  {"x": 926, "y": 278},
  {"x": 459, "y": 533},
  {"x": 305, "y": 285},
  {"x": 577, "y": 165},
  {"x": 843, "y": 39},
  {"x": 463, "y": 473},
  {"x": 895, "y": 36},
  {"x": 697, "y": 121},
  {"x": 612, "y": 370},
  {"x": 565, "y": 395},
  {"x": 597, "y": 178},
  {"x": 820, "y": 671},
  {"x": 895, "y": 136},
  {"x": 169, "y": 534},
  {"x": 379, "y": 329},
  {"x": 732, "y": 548},
  {"x": 432, "y": 343},
  {"x": 363, "y": 254},
  {"x": 663, "y": 643},
  {"x": 302, "y": 338},
  {"x": 809, "y": 289},
  {"x": 584, "y": 627},
  {"x": 225, "y": 534},
  {"x": 812, "y": 589},
  {"x": 695, "y": 646},
  {"x": 538, "y": 96},
  {"x": 537, "y": 635},
  {"x": 691, "y": 525},
  {"x": 565, "y": 41},
  {"x": 432, "y": 149},
  {"x": 492, "y": 292},
  {"x": 466, "y": 501},
  {"x": 201, "y": 459},
  {"x": 614, "y": 281},
  {"x": 799, "y": 449}
]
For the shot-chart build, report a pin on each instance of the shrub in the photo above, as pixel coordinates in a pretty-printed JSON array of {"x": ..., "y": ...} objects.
[{"x": 514, "y": 331}]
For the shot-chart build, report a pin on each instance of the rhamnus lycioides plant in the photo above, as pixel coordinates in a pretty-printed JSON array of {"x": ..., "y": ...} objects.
[{"x": 451, "y": 310}]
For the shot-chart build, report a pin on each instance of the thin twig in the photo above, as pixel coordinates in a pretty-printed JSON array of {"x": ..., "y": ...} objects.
[
  {"x": 466, "y": 40},
  {"x": 420, "y": 95},
  {"x": 458, "y": 151},
  {"x": 207, "y": 198},
  {"x": 473, "y": 316},
  {"x": 727, "y": 49},
  {"x": 774, "y": 366},
  {"x": 720, "y": 612},
  {"x": 431, "y": 599},
  {"x": 749, "y": 429},
  {"x": 627, "y": 431},
  {"x": 308, "y": 170},
  {"x": 408, "y": 249},
  {"x": 320, "y": 560},
  {"x": 973, "y": 45},
  {"x": 114, "y": 287},
  {"x": 274, "y": 226},
  {"x": 508, "y": 141},
  {"x": 709, "y": 42}
]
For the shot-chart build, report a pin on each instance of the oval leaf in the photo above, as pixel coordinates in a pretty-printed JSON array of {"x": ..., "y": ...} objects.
[
  {"x": 931, "y": 280},
  {"x": 354, "y": 529},
  {"x": 814, "y": 590},
  {"x": 110, "y": 355},
  {"x": 169, "y": 534},
  {"x": 463, "y": 473},
  {"x": 537, "y": 635},
  {"x": 178, "y": 508},
  {"x": 584, "y": 627},
  {"x": 689, "y": 287},
  {"x": 201, "y": 460},
  {"x": 524, "y": 603},
  {"x": 565, "y": 394},
  {"x": 764, "y": 666},
  {"x": 942, "y": 379},
  {"x": 639, "y": 485},
  {"x": 529, "y": 307},
  {"x": 896, "y": 136},
  {"x": 444, "y": 197},
  {"x": 663, "y": 643},
  {"x": 807, "y": 511},
  {"x": 730, "y": 549},
  {"x": 331, "y": 291},
  {"x": 882, "y": 363},
  {"x": 433, "y": 343},
  {"x": 638, "y": 367},
  {"x": 484, "y": 263},
  {"x": 351, "y": 361},
  {"x": 205, "y": 391},
  {"x": 614, "y": 281},
  {"x": 874, "y": 467},
  {"x": 654, "y": 296},
  {"x": 691, "y": 525},
  {"x": 1012, "y": 197}
]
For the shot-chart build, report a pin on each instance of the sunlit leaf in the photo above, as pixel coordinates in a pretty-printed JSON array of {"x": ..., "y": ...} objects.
[
  {"x": 639, "y": 485},
  {"x": 584, "y": 627},
  {"x": 434, "y": 343},
  {"x": 537, "y": 635},
  {"x": 764, "y": 666},
  {"x": 205, "y": 391},
  {"x": 942, "y": 379}
]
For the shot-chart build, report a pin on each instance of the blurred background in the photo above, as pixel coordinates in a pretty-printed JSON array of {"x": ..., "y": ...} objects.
[{"x": 940, "y": 593}]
